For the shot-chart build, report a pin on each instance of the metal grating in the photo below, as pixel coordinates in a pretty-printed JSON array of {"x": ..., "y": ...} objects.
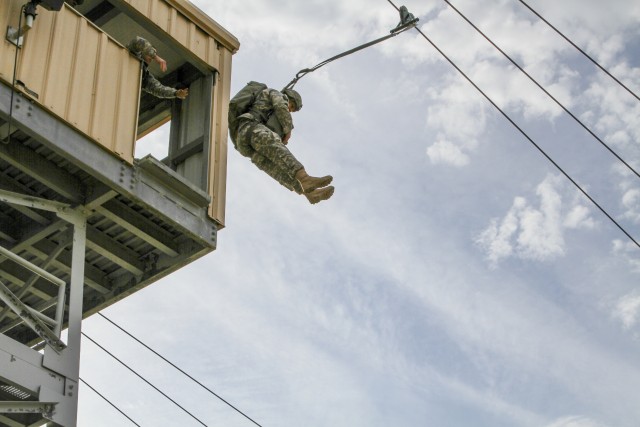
[{"x": 15, "y": 392}]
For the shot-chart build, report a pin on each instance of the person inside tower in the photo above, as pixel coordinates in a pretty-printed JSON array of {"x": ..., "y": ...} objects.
[
  {"x": 260, "y": 126},
  {"x": 145, "y": 52}
]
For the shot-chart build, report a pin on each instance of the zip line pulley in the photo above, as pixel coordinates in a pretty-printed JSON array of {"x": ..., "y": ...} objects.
[{"x": 407, "y": 21}]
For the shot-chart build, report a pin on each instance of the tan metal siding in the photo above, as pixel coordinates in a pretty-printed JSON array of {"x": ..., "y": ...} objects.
[
  {"x": 92, "y": 82},
  {"x": 9, "y": 15},
  {"x": 55, "y": 94},
  {"x": 84, "y": 78},
  {"x": 33, "y": 62},
  {"x": 81, "y": 75},
  {"x": 206, "y": 23},
  {"x": 142, "y": 5},
  {"x": 196, "y": 32},
  {"x": 213, "y": 57},
  {"x": 179, "y": 28},
  {"x": 198, "y": 42},
  {"x": 218, "y": 161},
  {"x": 160, "y": 15},
  {"x": 127, "y": 110}
]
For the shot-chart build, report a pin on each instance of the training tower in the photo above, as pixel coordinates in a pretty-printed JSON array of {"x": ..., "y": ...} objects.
[{"x": 83, "y": 223}]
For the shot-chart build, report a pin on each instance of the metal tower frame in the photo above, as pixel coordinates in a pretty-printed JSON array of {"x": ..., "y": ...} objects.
[{"x": 52, "y": 375}]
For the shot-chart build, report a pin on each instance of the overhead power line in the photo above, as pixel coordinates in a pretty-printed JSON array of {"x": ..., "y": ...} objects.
[
  {"x": 143, "y": 379},
  {"x": 177, "y": 368},
  {"x": 109, "y": 402},
  {"x": 492, "y": 102},
  {"x": 580, "y": 50},
  {"x": 543, "y": 89}
]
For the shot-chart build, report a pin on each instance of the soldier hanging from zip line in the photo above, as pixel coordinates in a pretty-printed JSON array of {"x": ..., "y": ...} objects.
[
  {"x": 144, "y": 51},
  {"x": 260, "y": 126}
]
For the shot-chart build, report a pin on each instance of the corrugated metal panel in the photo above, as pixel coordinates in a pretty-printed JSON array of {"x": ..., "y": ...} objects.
[
  {"x": 83, "y": 76},
  {"x": 142, "y": 5},
  {"x": 206, "y": 23},
  {"x": 218, "y": 161},
  {"x": 33, "y": 63},
  {"x": 198, "y": 42},
  {"x": 179, "y": 28},
  {"x": 128, "y": 100},
  {"x": 62, "y": 56},
  {"x": 160, "y": 15},
  {"x": 92, "y": 82},
  {"x": 9, "y": 15},
  {"x": 194, "y": 30}
]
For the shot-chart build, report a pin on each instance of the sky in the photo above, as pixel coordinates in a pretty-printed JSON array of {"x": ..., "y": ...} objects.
[{"x": 456, "y": 278}]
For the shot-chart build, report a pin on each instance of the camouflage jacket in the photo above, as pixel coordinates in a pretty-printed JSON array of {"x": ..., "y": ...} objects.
[
  {"x": 153, "y": 86},
  {"x": 270, "y": 103},
  {"x": 150, "y": 84}
]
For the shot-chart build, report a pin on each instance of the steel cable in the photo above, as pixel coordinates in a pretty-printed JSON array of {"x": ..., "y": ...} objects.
[{"x": 620, "y": 227}]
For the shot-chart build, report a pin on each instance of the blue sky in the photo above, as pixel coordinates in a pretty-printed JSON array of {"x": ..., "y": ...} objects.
[{"x": 455, "y": 278}]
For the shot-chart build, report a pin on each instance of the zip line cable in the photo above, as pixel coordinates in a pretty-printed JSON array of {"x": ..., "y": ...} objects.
[
  {"x": 109, "y": 402},
  {"x": 580, "y": 50},
  {"x": 543, "y": 89},
  {"x": 506, "y": 116},
  {"x": 180, "y": 370},
  {"x": 143, "y": 379},
  {"x": 407, "y": 21}
]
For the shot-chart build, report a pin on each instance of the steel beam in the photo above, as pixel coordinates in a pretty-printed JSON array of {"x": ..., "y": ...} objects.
[
  {"x": 140, "y": 226},
  {"x": 34, "y": 278},
  {"x": 42, "y": 169},
  {"x": 114, "y": 251},
  {"x": 129, "y": 180},
  {"x": 102, "y": 13},
  {"x": 9, "y": 422},
  {"x": 68, "y": 362},
  {"x": 13, "y": 274},
  {"x": 32, "y": 320},
  {"x": 6, "y": 183},
  {"x": 28, "y": 407},
  {"x": 24, "y": 368},
  {"x": 94, "y": 277},
  {"x": 31, "y": 266},
  {"x": 32, "y": 202},
  {"x": 44, "y": 305}
]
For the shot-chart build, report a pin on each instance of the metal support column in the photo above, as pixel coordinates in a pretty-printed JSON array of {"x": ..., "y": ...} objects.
[{"x": 52, "y": 377}]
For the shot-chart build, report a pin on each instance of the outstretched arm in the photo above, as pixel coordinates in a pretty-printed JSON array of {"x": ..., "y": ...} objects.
[
  {"x": 161, "y": 62},
  {"x": 157, "y": 89}
]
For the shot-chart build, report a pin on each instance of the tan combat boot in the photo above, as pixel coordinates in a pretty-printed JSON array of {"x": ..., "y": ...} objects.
[
  {"x": 310, "y": 183},
  {"x": 319, "y": 194}
]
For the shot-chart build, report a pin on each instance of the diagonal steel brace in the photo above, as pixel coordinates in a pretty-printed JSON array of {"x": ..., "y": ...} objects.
[{"x": 31, "y": 319}]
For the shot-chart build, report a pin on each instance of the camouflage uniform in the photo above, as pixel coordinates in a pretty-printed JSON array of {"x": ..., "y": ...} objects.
[
  {"x": 264, "y": 146},
  {"x": 150, "y": 84}
]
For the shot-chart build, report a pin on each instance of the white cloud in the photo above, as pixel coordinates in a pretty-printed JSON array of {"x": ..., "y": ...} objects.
[
  {"x": 445, "y": 152},
  {"x": 628, "y": 309},
  {"x": 535, "y": 233},
  {"x": 579, "y": 217},
  {"x": 575, "y": 421},
  {"x": 631, "y": 203},
  {"x": 629, "y": 251}
]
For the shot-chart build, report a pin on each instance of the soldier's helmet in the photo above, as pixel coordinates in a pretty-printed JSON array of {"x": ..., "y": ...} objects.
[
  {"x": 295, "y": 97},
  {"x": 141, "y": 48}
]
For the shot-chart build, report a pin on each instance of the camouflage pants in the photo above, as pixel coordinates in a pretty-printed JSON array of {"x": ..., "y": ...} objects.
[{"x": 268, "y": 153}]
